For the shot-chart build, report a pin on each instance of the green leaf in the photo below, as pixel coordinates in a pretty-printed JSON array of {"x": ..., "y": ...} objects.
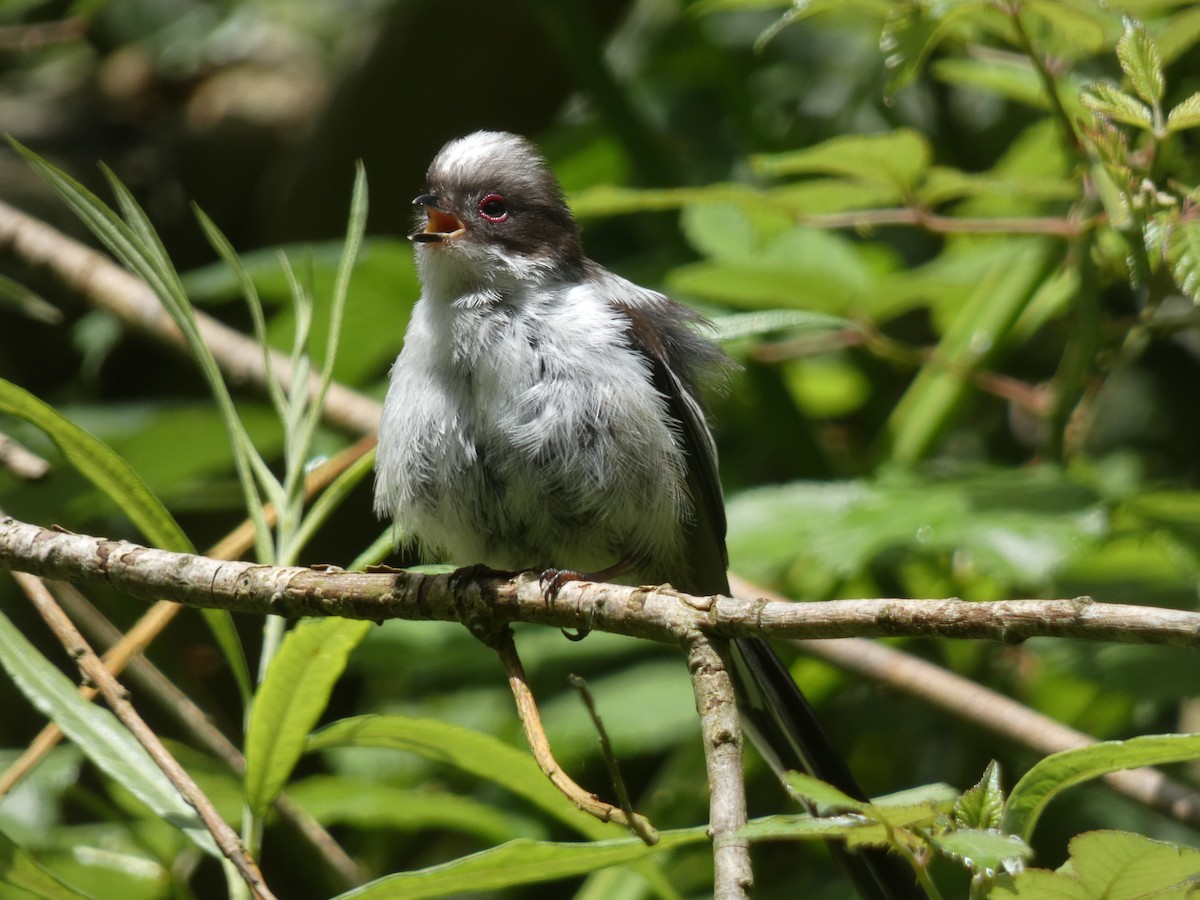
[
  {"x": 813, "y": 791},
  {"x": 1116, "y": 865},
  {"x": 1183, "y": 256},
  {"x": 1059, "y": 771},
  {"x": 983, "y": 805},
  {"x": 980, "y": 850},
  {"x": 899, "y": 157},
  {"x": 978, "y": 329},
  {"x": 1112, "y": 103},
  {"x": 97, "y": 732},
  {"x": 479, "y": 754},
  {"x": 291, "y": 699},
  {"x": 364, "y": 804},
  {"x": 1186, "y": 114},
  {"x": 1140, "y": 61},
  {"x": 519, "y": 862},
  {"x": 101, "y": 466},
  {"x": 20, "y": 870}
]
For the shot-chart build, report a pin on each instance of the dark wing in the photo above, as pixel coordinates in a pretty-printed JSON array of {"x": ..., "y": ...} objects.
[{"x": 775, "y": 711}]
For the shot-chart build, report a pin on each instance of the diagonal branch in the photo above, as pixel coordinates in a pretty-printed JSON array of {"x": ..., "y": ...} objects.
[
  {"x": 108, "y": 286},
  {"x": 114, "y": 695}
]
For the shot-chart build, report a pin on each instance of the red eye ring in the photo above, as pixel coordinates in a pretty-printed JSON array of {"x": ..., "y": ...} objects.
[{"x": 494, "y": 208}]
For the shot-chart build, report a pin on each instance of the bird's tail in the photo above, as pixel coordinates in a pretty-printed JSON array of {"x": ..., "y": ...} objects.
[{"x": 787, "y": 732}]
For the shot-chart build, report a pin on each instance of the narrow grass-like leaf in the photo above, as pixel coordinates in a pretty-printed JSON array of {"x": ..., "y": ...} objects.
[
  {"x": 291, "y": 699},
  {"x": 977, "y": 330},
  {"x": 1140, "y": 61},
  {"x": 97, "y": 733},
  {"x": 20, "y": 870},
  {"x": 112, "y": 475},
  {"x": 21, "y": 299},
  {"x": 479, "y": 754},
  {"x": 519, "y": 862},
  {"x": 96, "y": 461},
  {"x": 1059, "y": 771},
  {"x": 355, "y": 229},
  {"x": 334, "y": 800},
  {"x": 220, "y": 243},
  {"x": 332, "y": 497}
]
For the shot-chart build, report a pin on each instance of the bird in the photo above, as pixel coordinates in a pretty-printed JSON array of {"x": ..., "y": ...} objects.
[{"x": 546, "y": 414}]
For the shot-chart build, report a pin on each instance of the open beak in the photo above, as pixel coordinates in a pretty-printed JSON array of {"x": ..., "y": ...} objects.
[{"x": 439, "y": 224}]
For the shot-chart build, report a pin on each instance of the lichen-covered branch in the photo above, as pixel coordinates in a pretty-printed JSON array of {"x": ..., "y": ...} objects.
[{"x": 657, "y": 613}]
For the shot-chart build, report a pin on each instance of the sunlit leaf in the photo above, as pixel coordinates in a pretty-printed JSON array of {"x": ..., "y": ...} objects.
[
  {"x": 1140, "y": 62},
  {"x": 1186, "y": 114},
  {"x": 899, "y": 157},
  {"x": 1183, "y": 256},
  {"x": 983, "y": 805},
  {"x": 519, "y": 862},
  {"x": 1112, "y": 103},
  {"x": 1059, "y": 771},
  {"x": 291, "y": 699},
  {"x": 21, "y": 871},
  {"x": 97, "y": 732},
  {"x": 981, "y": 850}
]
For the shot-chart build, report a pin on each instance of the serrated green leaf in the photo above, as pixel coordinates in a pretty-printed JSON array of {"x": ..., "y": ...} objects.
[
  {"x": 1039, "y": 884},
  {"x": 898, "y": 158},
  {"x": 983, "y": 805},
  {"x": 981, "y": 850},
  {"x": 1118, "y": 865},
  {"x": 97, "y": 732},
  {"x": 291, "y": 699},
  {"x": 1183, "y": 256},
  {"x": 518, "y": 862},
  {"x": 1059, "y": 771},
  {"x": 1112, "y": 103},
  {"x": 20, "y": 870},
  {"x": 1140, "y": 61},
  {"x": 479, "y": 754},
  {"x": 1186, "y": 114}
]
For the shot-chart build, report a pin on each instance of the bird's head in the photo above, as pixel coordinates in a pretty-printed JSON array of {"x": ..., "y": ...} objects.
[{"x": 493, "y": 211}]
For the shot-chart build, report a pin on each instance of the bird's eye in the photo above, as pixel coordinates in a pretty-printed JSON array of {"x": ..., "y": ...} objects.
[{"x": 494, "y": 208}]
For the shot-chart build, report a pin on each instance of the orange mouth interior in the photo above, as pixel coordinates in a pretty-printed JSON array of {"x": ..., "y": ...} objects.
[{"x": 439, "y": 222}]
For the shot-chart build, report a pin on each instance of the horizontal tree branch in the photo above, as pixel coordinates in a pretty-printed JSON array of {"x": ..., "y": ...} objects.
[{"x": 657, "y": 613}]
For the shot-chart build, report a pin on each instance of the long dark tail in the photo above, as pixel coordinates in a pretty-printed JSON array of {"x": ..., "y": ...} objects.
[{"x": 786, "y": 730}]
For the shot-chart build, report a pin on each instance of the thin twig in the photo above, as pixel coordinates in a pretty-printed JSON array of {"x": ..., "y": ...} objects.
[
  {"x": 539, "y": 744},
  {"x": 114, "y": 695},
  {"x": 36, "y": 35},
  {"x": 610, "y": 759},
  {"x": 717, "y": 705}
]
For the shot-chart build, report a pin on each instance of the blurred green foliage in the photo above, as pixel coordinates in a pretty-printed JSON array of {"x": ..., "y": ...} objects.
[{"x": 992, "y": 206}]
